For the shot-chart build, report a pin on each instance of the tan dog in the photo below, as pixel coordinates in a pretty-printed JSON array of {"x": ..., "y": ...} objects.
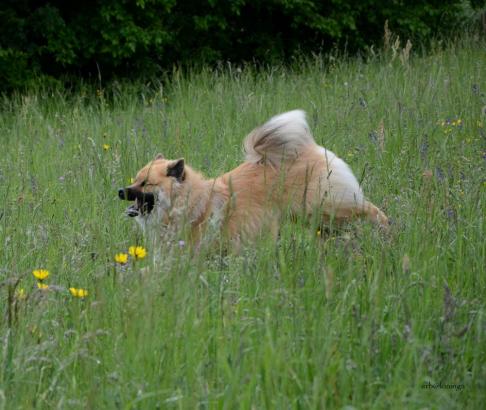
[{"x": 284, "y": 171}]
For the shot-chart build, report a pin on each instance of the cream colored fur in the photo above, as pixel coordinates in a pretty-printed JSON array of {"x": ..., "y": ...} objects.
[{"x": 284, "y": 171}]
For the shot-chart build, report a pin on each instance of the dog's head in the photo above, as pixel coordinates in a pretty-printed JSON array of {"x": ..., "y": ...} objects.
[{"x": 153, "y": 186}]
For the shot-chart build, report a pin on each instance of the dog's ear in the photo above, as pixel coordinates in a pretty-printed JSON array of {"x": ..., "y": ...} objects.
[
  {"x": 159, "y": 156},
  {"x": 176, "y": 170}
]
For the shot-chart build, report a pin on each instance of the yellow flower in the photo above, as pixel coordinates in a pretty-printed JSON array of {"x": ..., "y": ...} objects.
[
  {"x": 138, "y": 252},
  {"x": 40, "y": 274},
  {"x": 78, "y": 293},
  {"x": 318, "y": 233},
  {"x": 42, "y": 286},
  {"x": 106, "y": 147},
  {"x": 131, "y": 180},
  {"x": 121, "y": 258}
]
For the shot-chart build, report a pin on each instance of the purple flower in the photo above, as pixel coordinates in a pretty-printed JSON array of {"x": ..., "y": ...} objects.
[
  {"x": 373, "y": 137},
  {"x": 439, "y": 174},
  {"x": 424, "y": 148},
  {"x": 451, "y": 213}
]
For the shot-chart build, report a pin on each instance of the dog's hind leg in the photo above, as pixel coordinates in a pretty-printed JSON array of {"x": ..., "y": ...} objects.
[
  {"x": 366, "y": 210},
  {"x": 375, "y": 214}
]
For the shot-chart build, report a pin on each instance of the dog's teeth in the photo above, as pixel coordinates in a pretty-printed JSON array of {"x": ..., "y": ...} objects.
[{"x": 132, "y": 211}]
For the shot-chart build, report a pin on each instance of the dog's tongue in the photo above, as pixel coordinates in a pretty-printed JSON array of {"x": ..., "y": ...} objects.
[{"x": 132, "y": 211}]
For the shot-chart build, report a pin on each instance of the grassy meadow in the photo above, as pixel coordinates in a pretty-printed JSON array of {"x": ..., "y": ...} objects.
[{"x": 349, "y": 318}]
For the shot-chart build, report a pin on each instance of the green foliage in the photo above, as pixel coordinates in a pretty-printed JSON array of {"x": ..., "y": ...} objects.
[
  {"x": 134, "y": 38},
  {"x": 354, "y": 318}
]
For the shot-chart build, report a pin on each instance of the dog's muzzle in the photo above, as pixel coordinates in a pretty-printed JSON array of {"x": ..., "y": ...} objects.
[{"x": 144, "y": 201}]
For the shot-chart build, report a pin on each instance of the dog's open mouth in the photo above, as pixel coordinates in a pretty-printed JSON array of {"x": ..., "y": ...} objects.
[
  {"x": 132, "y": 211},
  {"x": 142, "y": 206},
  {"x": 144, "y": 202}
]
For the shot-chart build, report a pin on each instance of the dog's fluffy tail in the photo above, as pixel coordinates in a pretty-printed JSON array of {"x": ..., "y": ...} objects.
[{"x": 283, "y": 137}]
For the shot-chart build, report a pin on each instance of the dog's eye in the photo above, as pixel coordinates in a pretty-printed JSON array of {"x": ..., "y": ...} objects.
[{"x": 143, "y": 184}]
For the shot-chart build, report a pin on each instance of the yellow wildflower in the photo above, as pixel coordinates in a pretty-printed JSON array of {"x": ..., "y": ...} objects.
[
  {"x": 121, "y": 258},
  {"x": 40, "y": 274},
  {"x": 42, "y": 286},
  {"x": 78, "y": 293},
  {"x": 106, "y": 147},
  {"x": 131, "y": 180},
  {"x": 138, "y": 252}
]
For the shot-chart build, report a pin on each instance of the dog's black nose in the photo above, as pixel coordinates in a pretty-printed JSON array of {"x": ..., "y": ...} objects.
[{"x": 121, "y": 193}]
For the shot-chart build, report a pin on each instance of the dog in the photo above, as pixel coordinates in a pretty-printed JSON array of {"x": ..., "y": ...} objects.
[{"x": 284, "y": 172}]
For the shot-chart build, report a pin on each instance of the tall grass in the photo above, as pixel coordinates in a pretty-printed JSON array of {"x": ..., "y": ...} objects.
[{"x": 353, "y": 318}]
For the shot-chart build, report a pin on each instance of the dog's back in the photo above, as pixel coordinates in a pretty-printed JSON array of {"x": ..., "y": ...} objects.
[{"x": 284, "y": 168}]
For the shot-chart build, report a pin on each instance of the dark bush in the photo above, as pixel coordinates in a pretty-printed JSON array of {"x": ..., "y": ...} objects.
[{"x": 137, "y": 37}]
